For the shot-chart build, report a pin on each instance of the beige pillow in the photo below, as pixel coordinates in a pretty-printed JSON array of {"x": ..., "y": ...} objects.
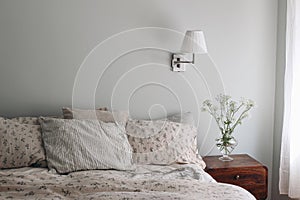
[
  {"x": 184, "y": 117},
  {"x": 120, "y": 117},
  {"x": 73, "y": 145},
  {"x": 163, "y": 142},
  {"x": 20, "y": 144}
]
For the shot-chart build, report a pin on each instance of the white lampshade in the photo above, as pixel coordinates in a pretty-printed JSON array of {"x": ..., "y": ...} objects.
[{"x": 194, "y": 42}]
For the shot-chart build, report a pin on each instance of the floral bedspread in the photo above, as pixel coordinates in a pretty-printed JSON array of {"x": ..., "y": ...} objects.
[{"x": 146, "y": 182}]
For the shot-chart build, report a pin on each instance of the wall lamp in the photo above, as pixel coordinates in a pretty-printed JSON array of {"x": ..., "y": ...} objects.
[{"x": 193, "y": 43}]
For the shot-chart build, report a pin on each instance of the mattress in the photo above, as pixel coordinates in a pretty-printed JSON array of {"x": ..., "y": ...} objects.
[{"x": 187, "y": 181}]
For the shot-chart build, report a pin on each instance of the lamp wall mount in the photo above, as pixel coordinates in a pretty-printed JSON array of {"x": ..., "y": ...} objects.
[{"x": 179, "y": 62}]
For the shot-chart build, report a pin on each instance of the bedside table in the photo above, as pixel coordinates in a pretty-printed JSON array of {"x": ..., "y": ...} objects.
[{"x": 243, "y": 171}]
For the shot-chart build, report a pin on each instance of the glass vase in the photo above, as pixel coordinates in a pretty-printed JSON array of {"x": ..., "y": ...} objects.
[{"x": 226, "y": 145}]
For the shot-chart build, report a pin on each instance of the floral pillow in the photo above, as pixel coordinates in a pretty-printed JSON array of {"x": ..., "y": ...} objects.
[
  {"x": 26, "y": 120},
  {"x": 163, "y": 142},
  {"x": 20, "y": 144}
]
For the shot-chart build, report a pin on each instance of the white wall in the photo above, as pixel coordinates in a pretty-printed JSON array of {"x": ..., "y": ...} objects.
[{"x": 43, "y": 44}]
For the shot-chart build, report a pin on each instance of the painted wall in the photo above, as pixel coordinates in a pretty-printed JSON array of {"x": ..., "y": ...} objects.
[{"x": 50, "y": 57}]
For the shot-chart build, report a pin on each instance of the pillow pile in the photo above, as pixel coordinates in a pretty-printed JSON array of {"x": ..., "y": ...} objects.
[{"x": 97, "y": 139}]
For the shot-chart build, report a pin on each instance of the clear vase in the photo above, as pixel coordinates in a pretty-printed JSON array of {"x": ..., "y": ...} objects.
[{"x": 226, "y": 145}]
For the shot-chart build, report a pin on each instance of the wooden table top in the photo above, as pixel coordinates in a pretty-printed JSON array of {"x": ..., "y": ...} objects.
[{"x": 239, "y": 160}]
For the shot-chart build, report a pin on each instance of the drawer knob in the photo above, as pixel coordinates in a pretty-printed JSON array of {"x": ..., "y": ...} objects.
[{"x": 237, "y": 177}]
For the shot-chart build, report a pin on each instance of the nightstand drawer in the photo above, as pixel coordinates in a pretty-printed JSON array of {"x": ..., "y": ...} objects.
[{"x": 240, "y": 176}]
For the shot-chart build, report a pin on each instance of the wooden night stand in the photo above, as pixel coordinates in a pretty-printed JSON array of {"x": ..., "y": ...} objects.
[{"x": 243, "y": 171}]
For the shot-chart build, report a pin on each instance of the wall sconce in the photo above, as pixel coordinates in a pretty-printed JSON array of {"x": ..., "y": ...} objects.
[{"x": 193, "y": 43}]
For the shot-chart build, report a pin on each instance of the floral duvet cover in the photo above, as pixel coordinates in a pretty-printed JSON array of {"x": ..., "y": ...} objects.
[{"x": 145, "y": 182}]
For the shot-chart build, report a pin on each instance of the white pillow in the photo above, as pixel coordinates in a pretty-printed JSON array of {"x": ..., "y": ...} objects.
[{"x": 73, "y": 145}]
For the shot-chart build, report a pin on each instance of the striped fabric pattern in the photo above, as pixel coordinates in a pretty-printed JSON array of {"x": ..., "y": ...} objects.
[{"x": 73, "y": 145}]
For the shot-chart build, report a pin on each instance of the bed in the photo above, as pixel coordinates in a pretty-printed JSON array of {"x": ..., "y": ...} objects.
[
  {"x": 52, "y": 158},
  {"x": 146, "y": 182}
]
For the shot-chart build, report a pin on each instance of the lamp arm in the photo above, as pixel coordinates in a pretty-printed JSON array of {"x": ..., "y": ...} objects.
[{"x": 178, "y": 61}]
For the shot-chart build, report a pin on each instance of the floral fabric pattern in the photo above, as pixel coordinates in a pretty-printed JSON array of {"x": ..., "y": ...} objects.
[
  {"x": 20, "y": 144},
  {"x": 163, "y": 142},
  {"x": 26, "y": 120},
  {"x": 186, "y": 182}
]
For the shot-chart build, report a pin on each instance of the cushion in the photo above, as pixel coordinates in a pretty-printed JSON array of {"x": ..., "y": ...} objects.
[
  {"x": 73, "y": 145},
  {"x": 163, "y": 142},
  {"x": 120, "y": 117},
  {"x": 20, "y": 144},
  {"x": 185, "y": 118},
  {"x": 26, "y": 120}
]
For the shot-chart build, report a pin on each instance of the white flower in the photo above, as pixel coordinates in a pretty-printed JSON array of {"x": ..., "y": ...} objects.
[{"x": 228, "y": 113}]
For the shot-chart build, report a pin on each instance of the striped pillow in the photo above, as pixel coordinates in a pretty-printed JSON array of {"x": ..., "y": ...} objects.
[{"x": 73, "y": 145}]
